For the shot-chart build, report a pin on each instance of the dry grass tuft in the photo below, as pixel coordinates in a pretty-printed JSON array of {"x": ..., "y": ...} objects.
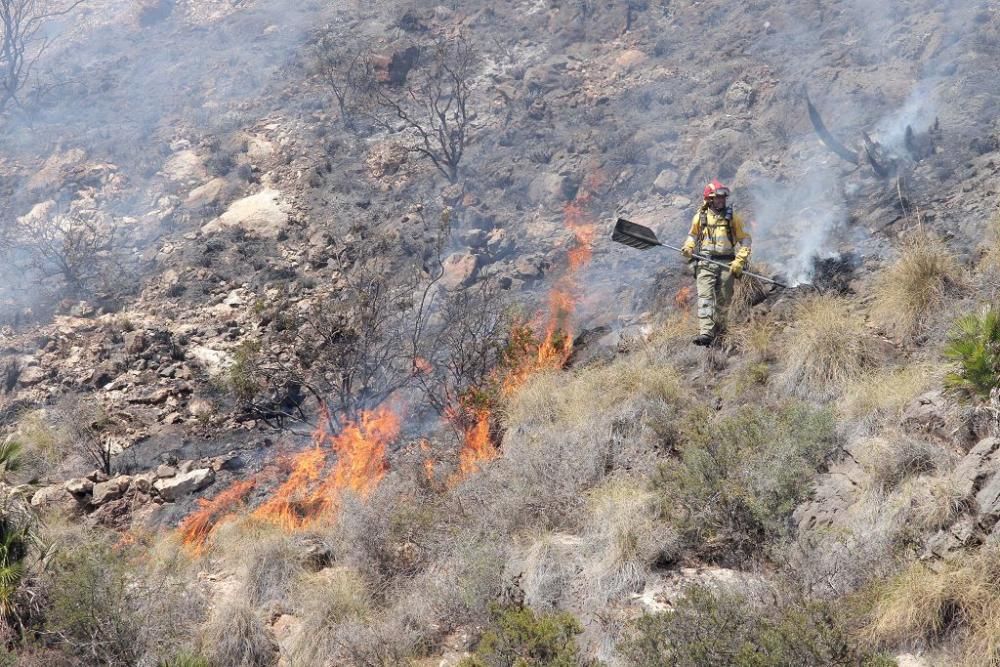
[
  {"x": 961, "y": 601},
  {"x": 573, "y": 397},
  {"x": 755, "y": 340},
  {"x": 235, "y": 635},
  {"x": 891, "y": 459},
  {"x": 624, "y": 539},
  {"x": 915, "y": 284},
  {"x": 878, "y": 397},
  {"x": 325, "y": 602},
  {"x": 827, "y": 348}
]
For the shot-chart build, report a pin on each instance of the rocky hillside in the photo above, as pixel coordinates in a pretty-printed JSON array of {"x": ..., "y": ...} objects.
[{"x": 317, "y": 351}]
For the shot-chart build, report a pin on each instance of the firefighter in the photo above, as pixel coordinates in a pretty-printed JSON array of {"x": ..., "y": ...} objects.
[{"x": 718, "y": 233}]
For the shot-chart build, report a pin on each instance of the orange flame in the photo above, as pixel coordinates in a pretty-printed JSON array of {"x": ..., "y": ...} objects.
[
  {"x": 198, "y": 526},
  {"x": 683, "y": 297},
  {"x": 309, "y": 493},
  {"x": 555, "y": 347},
  {"x": 477, "y": 446}
]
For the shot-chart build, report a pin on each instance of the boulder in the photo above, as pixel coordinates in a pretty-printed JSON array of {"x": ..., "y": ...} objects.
[
  {"x": 630, "y": 60},
  {"x": 172, "y": 488},
  {"x": 144, "y": 483},
  {"x": 51, "y": 497},
  {"x": 740, "y": 96},
  {"x": 79, "y": 487},
  {"x": 459, "y": 270},
  {"x": 215, "y": 362},
  {"x": 665, "y": 182},
  {"x": 979, "y": 465},
  {"x": 927, "y": 414},
  {"x": 529, "y": 266},
  {"x": 163, "y": 471},
  {"x": 185, "y": 166},
  {"x": 206, "y": 194},
  {"x": 264, "y": 214},
  {"x": 136, "y": 343},
  {"x": 547, "y": 189},
  {"x": 32, "y": 375},
  {"x": 110, "y": 490}
]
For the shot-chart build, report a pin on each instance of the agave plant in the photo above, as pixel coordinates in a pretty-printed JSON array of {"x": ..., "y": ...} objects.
[{"x": 975, "y": 346}]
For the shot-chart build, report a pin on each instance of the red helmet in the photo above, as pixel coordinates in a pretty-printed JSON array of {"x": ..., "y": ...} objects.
[{"x": 715, "y": 188}]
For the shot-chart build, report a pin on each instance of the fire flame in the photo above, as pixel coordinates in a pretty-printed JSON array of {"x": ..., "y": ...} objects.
[
  {"x": 310, "y": 493},
  {"x": 197, "y": 527},
  {"x": 556, "y": 345},
  {"x": 683, "y": 297}
]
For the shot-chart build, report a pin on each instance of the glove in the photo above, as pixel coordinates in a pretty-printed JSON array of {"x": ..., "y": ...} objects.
[
  {"x": 688, "y": 249},
  {"x": 737, "y": 267}
]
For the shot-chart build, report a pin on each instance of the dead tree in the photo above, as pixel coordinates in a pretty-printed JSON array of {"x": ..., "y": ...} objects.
[
  {"x": 883, "y": 161},
  {"x": 355, "y": 345},
  {"x": 22, "y": 41},
  {"x": 433, "y": 105},
  {"x": 344, "y": 63},
  {"x": 79, "y": 248}
]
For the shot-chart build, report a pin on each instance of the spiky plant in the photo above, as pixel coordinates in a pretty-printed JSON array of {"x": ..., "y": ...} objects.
[
  {"x": 14, "y": 542},
  {"x": 10, "y": 456},
  {"x": 975, "y": 346}
]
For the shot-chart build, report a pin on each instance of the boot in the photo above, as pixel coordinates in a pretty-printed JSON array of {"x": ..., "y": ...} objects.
[{"x": 704, "y": 340}]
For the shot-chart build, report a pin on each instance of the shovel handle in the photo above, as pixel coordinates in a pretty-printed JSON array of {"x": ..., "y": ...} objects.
[{"x": 703, "y": 258}]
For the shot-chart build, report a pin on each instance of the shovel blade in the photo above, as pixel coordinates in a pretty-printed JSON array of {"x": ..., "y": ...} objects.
[{"x": 634, "y": 235}]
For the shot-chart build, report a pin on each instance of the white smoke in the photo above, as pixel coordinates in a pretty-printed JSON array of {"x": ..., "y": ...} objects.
[{"x": 795, "y": 221}]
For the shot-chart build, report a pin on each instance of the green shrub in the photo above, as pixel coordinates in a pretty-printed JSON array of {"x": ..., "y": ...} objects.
[
  {"x": 93, "y": 611},
  {"x": 517, "y": 637},
  {"x": 975, "y": 345},
  {"x": 244, "y": 378},
  {"x": 739, "y": 477},
  {"x": 708, "y": 628}
]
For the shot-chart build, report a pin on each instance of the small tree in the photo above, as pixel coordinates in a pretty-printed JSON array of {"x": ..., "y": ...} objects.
[
  {"x": 22, "y": 40},
  {"x": 344, "y": 63},
  {"x": 77, "y": 248},
  {"x": 433, "y": 105}
]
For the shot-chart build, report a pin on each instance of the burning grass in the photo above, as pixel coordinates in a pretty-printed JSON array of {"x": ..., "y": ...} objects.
[
  {"x": 197, "y": 527},
  {"x": 310, "y": 492}
]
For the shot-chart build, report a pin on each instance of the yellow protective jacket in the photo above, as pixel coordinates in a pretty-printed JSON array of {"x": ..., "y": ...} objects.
[{"x": 720, "y": 235}]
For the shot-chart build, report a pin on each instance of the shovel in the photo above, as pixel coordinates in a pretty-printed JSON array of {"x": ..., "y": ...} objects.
[{"x": 643, "y": 238}]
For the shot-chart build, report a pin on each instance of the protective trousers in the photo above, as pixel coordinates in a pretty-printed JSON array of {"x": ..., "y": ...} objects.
[{"x": 715, "y": 292}]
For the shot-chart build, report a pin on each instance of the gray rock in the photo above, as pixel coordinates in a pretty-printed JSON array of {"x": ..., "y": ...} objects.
[
  {"x": 173, "y": 488},
  {"x": 665, "y": 182},
  {"x": 79, "y": 486},
  {"x": 32, "y": 375},
  {"x": 547, "y": 189},
  {"x": 981, "y": 463},
  {"x": 52, "y": 497},
  {"x": 110, "y": 490},
  {"x": 459, "y": 269},
  {"x": 927, "y": 414},
  {"x": 144, "y": 483},
  {"x": 164, "y": 471},
  {"x": 953, "y": 540},
  {"x": 529, "y": 266},
  {"x": 136, "y": 342}
]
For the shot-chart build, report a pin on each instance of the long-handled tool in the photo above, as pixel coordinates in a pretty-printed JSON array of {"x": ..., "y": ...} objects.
[{"x": 643, "y": 238}]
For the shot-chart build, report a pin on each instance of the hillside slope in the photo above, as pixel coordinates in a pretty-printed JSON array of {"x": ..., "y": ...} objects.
[{"x": 317, "y": 350}]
